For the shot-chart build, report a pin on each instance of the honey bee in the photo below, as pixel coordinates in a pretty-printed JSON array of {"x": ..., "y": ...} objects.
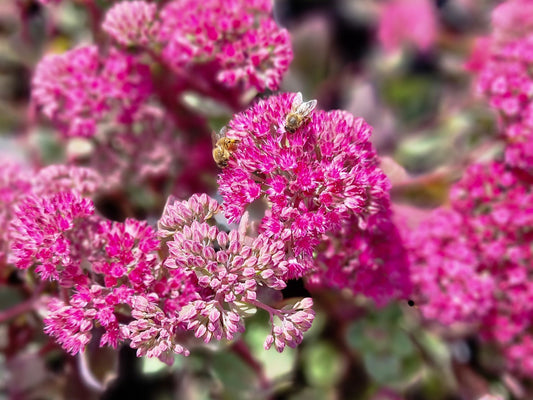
[
  {"x": 299, "y": 113},
  {"x": 223, "y": 148}
]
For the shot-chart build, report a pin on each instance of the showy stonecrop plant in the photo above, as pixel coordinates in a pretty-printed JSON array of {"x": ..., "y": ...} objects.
[
  {"x": 123, "y": 108},
  {"x": 321, "y": 185},
  {"x": 140, "y": 230}
]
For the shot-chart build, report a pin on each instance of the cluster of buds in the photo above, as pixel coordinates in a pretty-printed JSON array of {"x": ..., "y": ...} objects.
[{"x": 230, "y": 270}]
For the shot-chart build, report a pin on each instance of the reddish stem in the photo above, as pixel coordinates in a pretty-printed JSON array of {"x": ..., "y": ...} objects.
[
  {"x": 241, "y": 349},
  {"x": 24, "y": 307},
  {"x": 95, "y": 17}
]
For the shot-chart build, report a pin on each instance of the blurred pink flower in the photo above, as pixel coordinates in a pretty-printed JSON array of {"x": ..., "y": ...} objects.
[
  {"x": 491, "y": 397},
  {"x": 448, "y": 288},
  {"x": 59, "y": 178},
  {"x": 505, "y": 79},
  {"x": 132, "y": 23},
  {"x": 512, "y": 19},
  {"x": 473, "y": 263},
  {"x": 131, "y": 154},
  {"x": 408, "y": 22},
  {"x": 238, "y": 38},
  {"x": 15, "y": 184},
  {"x": 79, "y": 89},
  {"x": 481, "y": 52}
]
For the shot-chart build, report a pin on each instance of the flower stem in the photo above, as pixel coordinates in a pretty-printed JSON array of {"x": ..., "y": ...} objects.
[
  {"x": 240, "y": 348},
  {"x": 24, "y": 307}
]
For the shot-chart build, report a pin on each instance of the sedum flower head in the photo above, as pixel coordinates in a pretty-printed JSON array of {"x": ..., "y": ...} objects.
[
  {"x": 178, "y": 214},
  {"x": 505, "y": 78},
  {"x": 228, "y": 268},
  {"x": 153, "y": 332},
  {"x": 238, "y": 39},
  {"x": 103, "y": 267},
  {"x": 316, "y": 179},
  {"x": 448, "y": 286},
  {"x": 132, "y": 23},
  {"x": 44, "y": 230},
  {"x": 371, "y": 262},
  {"x": 81, "y": 88},
  {"x": 145, "y": 149},
  {"x": 294, "y": 320},
  {"x": 473, "y": 262},
  {"x": 58, "y": 178},
  {"x": 123, "y": 281},
  {"x": 15, "y": 184},
  {"x": 72, "y": 323},
  {"x": 407, "y": 21},
  {"x": 512, "y": 19}
]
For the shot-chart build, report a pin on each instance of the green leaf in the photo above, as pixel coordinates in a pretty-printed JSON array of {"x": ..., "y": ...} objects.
[
  {"x": 315, "y": 394},
  {"x": 385, "y": 369},
  {"x": 238, "y": 379},
  {"x": 323, "y": 365}
]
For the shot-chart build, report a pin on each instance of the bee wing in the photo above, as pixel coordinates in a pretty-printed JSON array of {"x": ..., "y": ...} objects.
[
  {"x": 305, "y": 109},
  {"x": 216, "y": 136},
  {"x": 297, "y": 101}
]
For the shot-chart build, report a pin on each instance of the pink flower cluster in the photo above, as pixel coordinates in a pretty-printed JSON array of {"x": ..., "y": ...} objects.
[
  {"x": 407, "y": 22},
  {"x": 230, "y": 270},
  {"x": 236, "y": 41},
  {"x": 112, "y": 275},
  {"x": 512, "y": 19},
  {"x": 82, "y": 88},
  {"x": 18, "y": 182},
  {"x": 316, "y": 180},
  {"x": 125, "y": 108},
  {"x": 132, "y": 23},
  {"x": 105, "y": 268},
  {"x": 327, "y": 214},
  {"x": 505, "y": 78},
  {"x": 122, "y": 270},
  {"x": 15, "y": 183},
  {"x": 371, "y": 262},
  {"x": 473, "y": 262},
  {"x": 44, "y": 230}
]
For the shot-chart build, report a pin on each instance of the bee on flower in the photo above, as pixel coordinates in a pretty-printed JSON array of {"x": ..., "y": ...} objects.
[
  {"x": 223, "y": 148},
  {"x": 299, "y": 113}
]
